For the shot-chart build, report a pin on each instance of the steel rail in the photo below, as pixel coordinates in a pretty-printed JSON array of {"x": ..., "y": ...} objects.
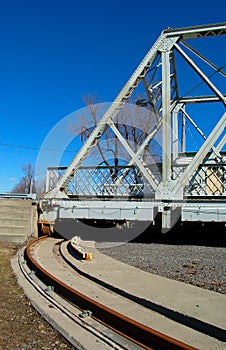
[
  {"x": 67, "y": 309},
  {"x": 140, "y": 334}
]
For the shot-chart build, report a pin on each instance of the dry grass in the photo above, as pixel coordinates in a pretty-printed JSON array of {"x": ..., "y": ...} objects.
[{"x": 21, "y": 327}]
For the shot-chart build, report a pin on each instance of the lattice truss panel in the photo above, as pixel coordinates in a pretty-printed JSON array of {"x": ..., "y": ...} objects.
[
  {"x": 101, "y": 181},
  {"x": 178, "y": 100},
  {"x": 208, "y": 181}
]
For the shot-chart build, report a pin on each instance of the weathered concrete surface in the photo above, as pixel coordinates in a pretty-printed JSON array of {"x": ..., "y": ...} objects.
[{"x": 18, "y": 220}]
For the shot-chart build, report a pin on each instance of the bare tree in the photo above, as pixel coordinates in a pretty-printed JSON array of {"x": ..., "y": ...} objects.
[
  {"x": 40, "y": 186},
  {"x": 26, "y": 184}
]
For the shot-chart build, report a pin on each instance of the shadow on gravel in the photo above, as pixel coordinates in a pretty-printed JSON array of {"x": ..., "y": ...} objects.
[{"x": 207, "y": 234}]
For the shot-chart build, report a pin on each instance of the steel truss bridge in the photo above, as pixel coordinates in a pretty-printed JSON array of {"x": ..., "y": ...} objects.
[{"x": 178, "y": 184}]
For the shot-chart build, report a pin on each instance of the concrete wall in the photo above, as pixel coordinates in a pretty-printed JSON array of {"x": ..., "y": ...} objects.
[{"x": 18, "y": 220}]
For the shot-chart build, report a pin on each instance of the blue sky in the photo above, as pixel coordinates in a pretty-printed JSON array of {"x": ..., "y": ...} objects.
[{"x": 53, "y": 52}]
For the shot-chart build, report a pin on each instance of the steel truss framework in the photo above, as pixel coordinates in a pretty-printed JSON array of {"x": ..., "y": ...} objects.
[{"x": 185, "y": 182}]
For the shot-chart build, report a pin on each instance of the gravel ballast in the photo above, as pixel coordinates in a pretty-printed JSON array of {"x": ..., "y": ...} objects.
[{"x": 198, "y": 258}]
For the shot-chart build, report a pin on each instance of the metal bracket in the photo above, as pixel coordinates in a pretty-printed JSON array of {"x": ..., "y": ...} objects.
[{"x": 85, "y": 314}]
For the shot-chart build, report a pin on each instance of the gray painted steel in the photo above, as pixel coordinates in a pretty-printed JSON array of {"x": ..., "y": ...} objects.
[{"x": 190, "y": 185}]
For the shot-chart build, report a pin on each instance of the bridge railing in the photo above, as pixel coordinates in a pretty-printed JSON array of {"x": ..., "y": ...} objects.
[
  {"x": 104, "y": 181},
  {"x": 208, "y": 180},
  {"x": 123, "y": 181},
  {"x": 10, "y": 195}
]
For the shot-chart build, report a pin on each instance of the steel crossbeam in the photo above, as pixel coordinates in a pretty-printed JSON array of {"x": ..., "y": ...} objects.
[{"x": 199, "y": 31}]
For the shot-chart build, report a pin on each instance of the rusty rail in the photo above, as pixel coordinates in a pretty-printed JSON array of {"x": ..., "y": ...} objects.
[{"x": 140, "y": 334}]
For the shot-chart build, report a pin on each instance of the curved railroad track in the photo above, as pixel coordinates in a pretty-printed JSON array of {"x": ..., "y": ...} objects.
[{"x": 76, "y": 297}]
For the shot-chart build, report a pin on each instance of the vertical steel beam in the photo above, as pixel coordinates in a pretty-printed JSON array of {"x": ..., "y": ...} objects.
[
  {"x": 47, "y": 180},
  {"x": 166, "y": 137},
  {"x": 183, "y": 141},
  {"x": 175, "y": 134},
  {"x": 166, "y": 120}
]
